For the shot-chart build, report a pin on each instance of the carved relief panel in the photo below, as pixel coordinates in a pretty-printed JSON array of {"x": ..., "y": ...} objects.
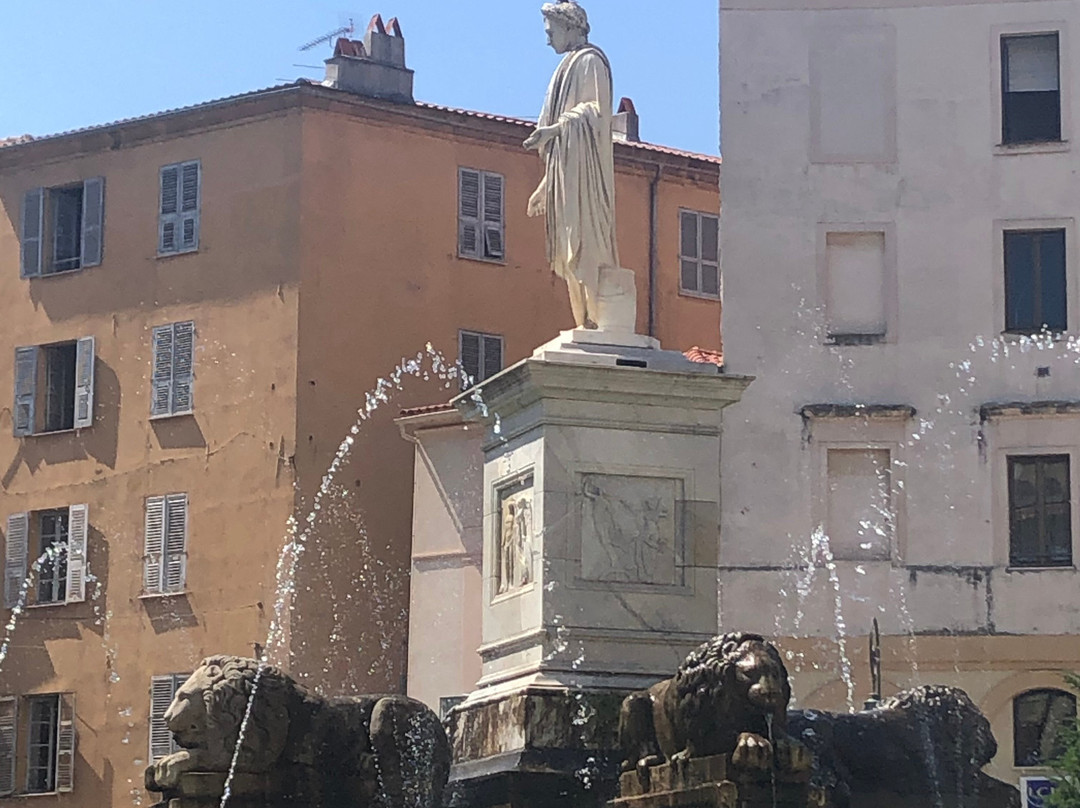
[
  {"x": 631, "y": 529},
  {"x": 514, "y": 537}
]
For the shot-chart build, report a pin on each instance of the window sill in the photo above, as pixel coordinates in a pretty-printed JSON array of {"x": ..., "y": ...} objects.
[
  {"x": 855, "y": 340},
  {"x": 46, "y": 605},
  {"x": 174, "y": 253},
  {"x": 53, "y": 274},
  {"x": 698, "y": 295},
  {"x": 70, "y": 431},
  {"x": 1055, "y": 568},
  {"x": 162, "y": 595},
  {"x": 499, "y": 262},
  {"x": 1039, "y": 147},
  {"x": 1018, "y": 336},
  {"x": 167, "y": 415}
]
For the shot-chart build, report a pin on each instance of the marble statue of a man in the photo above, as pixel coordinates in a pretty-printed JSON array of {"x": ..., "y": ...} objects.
[{"x": 573, "y": 136}]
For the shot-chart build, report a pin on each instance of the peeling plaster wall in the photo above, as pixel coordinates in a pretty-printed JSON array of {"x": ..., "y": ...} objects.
[{"x": 942, "y": 192}]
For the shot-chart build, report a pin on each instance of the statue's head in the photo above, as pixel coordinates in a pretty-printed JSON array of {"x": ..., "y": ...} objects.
[{"x": 567, "y": 25}]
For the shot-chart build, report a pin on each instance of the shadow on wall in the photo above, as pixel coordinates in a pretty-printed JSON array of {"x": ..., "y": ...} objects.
[
  {"x": 170, "y": 612},
  {"x": 178, "y": 432},
  {"x": 98, "y": 442}
]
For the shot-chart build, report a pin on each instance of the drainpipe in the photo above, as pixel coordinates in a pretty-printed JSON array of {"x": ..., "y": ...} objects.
[{"x": 654, "y": 187}]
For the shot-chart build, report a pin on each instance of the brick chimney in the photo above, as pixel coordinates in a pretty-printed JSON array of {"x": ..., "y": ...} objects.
[
  {"x": 624, "y": 126},
  {"x": 374, "y": 67}
]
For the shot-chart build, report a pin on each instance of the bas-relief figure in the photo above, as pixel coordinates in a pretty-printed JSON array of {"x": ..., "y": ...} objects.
[
  {"x": 514, "y": 562},
  {"x": 628, "y": 529},
  {"x": 573, "y": 136},
  {"x": 302, "y": 749}
]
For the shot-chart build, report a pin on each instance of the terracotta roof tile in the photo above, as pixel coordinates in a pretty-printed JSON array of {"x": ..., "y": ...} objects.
[
  {"x": 427, "y": 409},
  {"x": 349, "y": 47},
  {"x": 704, "y": 355}
]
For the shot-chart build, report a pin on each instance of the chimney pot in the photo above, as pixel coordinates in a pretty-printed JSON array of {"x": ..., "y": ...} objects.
[
  {"x": 374, "y": 67},
  {"x": 624, "y": 125}
]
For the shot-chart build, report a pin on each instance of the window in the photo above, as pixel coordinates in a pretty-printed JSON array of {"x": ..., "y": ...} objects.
[
  {"x": 54, "y": 387},
  {"x": 854, "y": 287},
  {"x": 481, "y": 226},
  {"x": 162, "y": 691},
  {"x": 57, "y": 537},
  {"x": 180, "y": 198},
  {"x": 860, "y": 515},
  {"x": 45, "y": 739},
  {"x": 62, "y": 228},
  {"x": 173, "y": 371},
  {"x": 699, "y": 253},
  {"x": 1035, "y": 283},
  {"x": 1040, "y": 514},
  {"x": 165, "y": 554},
  {"x": 1030, "y": 88},
  {"x": 1038, "y": 716},
  {"x": 480, "y": 356}
]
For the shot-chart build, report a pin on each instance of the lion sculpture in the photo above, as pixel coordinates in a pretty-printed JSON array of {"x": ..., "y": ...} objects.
[
  {"x": 919, "y": 745},
  {"x": 387, "y": 751},
  {"x": 729, "y": 697}
]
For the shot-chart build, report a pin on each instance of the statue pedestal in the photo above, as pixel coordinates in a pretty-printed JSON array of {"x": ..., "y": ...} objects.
[
  {"x": 601, "y": 499},
  {"x": 709, "y": 783}
]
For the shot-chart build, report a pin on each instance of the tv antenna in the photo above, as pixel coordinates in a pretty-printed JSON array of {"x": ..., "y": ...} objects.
[{"x": 329, "y": 37}]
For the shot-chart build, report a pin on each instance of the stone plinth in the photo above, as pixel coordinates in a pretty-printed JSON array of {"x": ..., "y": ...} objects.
[
  {"x": 601, "y": 512},
  {"x": 710, "y": 783}
]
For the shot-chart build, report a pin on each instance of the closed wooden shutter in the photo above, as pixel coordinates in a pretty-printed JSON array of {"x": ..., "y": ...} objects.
[
  {"x": 493, "y": 215},
  {"x": 492, "y": 359},
  {"x": 162, "y": 690},
  {"x": 176, "y": 515},
  {"x": 78, "y": 526},
  {"x": 154, "y": 544},
  {"x": 93, "y": 221},
  {"x": 16, "y": 548},
  {"x": 469, "y": 356},
  {"x": 468, "y": 213},
  {"x": 84, "y": 383},
  {"x": 189, "y": 206},
  {"x": 162, "y": 371},
  {"x": 182, "y": 367},
  {"x": 65, "y": 743},
  {"x": 26, "y": 362},
  {"x": 169, "y": 209},
  {"x": 8, "y": 725},
  {"x": 33, "y": 223}
]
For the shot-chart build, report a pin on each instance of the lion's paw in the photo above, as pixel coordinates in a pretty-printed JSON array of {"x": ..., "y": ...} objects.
[
  {"x": 167, "y": 771},
  {"x": 793, "y": 756},
  {"x": 752, "y": 752}
]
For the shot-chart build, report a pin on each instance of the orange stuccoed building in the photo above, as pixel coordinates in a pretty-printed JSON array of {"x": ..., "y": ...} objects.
[{"x": 195, "y": 305}]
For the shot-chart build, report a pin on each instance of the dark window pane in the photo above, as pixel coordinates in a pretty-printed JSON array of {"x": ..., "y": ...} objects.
[
  {"x": 1020, "y": 281},
  {"x": 689, "y": 234},
  {"x": 67, "y": 227},
  {"x": 60, "y": 386},
  {"x": 1040, "y": 511},
  {"x": 688, "y": 278},
  {"x": 1052, "y": 279},
  {"x": 710, "y": 279},
  {"x": 710, "y": 238},
  {"x": 1038, "y": 717}
]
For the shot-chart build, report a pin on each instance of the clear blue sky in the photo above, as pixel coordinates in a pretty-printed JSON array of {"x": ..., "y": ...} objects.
[{"x": 68, "y": 64}]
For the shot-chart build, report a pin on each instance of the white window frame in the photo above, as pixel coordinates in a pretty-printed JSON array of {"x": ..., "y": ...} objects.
[
  {"x": 890, "y": 292},
  {"x": 698, "y": 259},
  {"x": 179, "y": 216},
  {"x": 1065, "y": 89},
  {"x": 483, "y": 337}
]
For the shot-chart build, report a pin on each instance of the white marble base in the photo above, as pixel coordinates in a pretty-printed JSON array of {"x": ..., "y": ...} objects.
[
  {"x": 588, "y": 346},
  {"x": 616, "y": 306}
]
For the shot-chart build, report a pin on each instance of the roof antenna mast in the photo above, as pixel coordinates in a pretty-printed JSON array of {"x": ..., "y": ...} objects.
[{"x": 329, "y": 37}]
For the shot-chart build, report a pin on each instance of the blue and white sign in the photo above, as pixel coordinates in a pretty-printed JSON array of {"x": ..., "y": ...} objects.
[{"x": 1035, "y": 790}]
